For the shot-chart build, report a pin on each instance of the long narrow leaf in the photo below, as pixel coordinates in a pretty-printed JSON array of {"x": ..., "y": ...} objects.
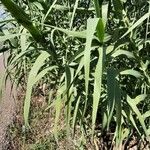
[
  {"x": 131, "y": 72},
  {"x": 137, "y": 112},
  {"x": 97, "y": 86},
  {"x": 31, "y": 80},
  {"x": 91, "y": 27},
  {"x": 111, "y": 90}
]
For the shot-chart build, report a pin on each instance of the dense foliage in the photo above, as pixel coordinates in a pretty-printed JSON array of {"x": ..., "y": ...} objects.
[{"x": 93, "y": 57}]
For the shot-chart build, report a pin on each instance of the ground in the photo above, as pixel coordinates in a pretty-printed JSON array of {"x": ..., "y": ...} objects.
[{"x": 7, "y": 106}]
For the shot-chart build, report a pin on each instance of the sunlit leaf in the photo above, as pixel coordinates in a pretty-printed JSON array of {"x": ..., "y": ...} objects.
[
  {"x": 131, "y": 72},
  {"x": 97, "y": 86}
]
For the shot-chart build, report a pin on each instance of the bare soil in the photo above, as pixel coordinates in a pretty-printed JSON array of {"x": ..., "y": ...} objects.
[{"x": 7, "y": 106}]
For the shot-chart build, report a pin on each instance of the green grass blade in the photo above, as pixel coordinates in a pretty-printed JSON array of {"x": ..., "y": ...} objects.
[
  {"x": 140, "y": 98},
  {"x": 97, "y": 86},
  {"x": 118, "y": 115},
  {"x": 43, "y": 73},
  {"x": 97, "y": 8},
  {"x": 91, "y": 27},
  {"x": 75, "y": 112},
  {"x": 68, "y": 79},
  {"x": 131, "y": 72},
  {"x": 137, "y": 112},
  {"x": 146, "y": 114},
  {"x": 123, "y": 52},
  {"x": 128, "y": 114},
  {"x": 111, "y": 92},
  {"x": 31, "y": 80},
  {"x": 58, "y": 106},
  {"x": 100, "y": 30},
  {"x": 104, "y": 13},
  {"x": 58, "y": 103}
]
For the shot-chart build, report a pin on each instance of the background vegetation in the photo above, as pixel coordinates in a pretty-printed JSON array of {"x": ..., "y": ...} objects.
[{"x": 91, "y": 60}]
